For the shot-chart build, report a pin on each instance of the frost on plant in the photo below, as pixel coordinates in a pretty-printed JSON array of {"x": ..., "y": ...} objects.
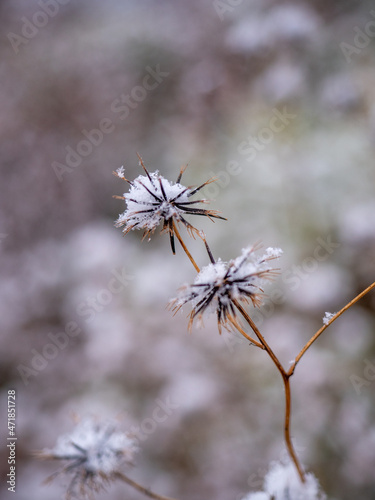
[
  {"x": 282, "y": 482},
  {"x": 152, "y": 200},
  {"x": 94, "y": 454},
  {"x": 327, "y": 317},
  {"x": 220, "y": 284}
]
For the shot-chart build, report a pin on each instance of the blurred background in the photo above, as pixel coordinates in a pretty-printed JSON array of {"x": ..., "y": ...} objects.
[{"x": 275, "y": 99}]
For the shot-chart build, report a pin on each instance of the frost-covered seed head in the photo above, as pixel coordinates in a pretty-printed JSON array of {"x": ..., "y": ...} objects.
[
  {"x": 94, "y": 454},
  {"x": 152, "y": 200},
  {"x": 220, "y": 284}
]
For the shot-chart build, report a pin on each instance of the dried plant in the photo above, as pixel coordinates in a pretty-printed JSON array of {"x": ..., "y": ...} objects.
[
  {"x": 225, "y": 287},
  {"x": 95, "y": 453}
]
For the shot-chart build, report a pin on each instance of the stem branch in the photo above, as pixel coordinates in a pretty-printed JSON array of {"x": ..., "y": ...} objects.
[
  {"x": 285, "y": 376},
  {"x": 178, "y": 236},
  {"x": 321, "y": 330},
  {"x": 141, "y": 488},
  {"x": 288, "y": 440}
]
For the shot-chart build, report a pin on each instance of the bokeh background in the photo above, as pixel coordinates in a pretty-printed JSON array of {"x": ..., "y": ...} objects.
[{"x": 226, "y": 69}]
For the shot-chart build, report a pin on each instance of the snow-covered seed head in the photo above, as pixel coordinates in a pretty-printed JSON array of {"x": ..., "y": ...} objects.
[
  {"x": 152, "y": 200},
  {"x": 94, "y": 453},
  {"x": 220, "y": 284}
]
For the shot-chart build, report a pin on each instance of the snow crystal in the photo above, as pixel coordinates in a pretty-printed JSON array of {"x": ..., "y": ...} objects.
[
  {"x": 327, "y": 317},
  {"x": 121, "y": 172},
  {"x": 273, "y": 253}
]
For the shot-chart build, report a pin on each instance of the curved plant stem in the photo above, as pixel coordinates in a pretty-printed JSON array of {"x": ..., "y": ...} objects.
[
  {"x": 260, "y": 337},
  {"x": 288, "y": 440},
  {"x": 178, "y": 236},
  {"x": 285, "y": 376},
  {"x": 262, "y": 344},
  {"x": 238, "y": 327},
  {"x": 321, "y": 330},
  {"x": 141, "y": 488}
]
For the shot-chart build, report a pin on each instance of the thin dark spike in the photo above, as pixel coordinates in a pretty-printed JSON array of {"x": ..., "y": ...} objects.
[
  {"x": 202, "y": 211},
  {"x": 180, "y": 194},
  {"x": 182, "y": 203},
  {"x": 171, "y": 236},
  {"x": 182, "y": 170},
  {"x": 193, "y": 191},
  {"x": 190, "y": 228},
  {"x": 162, "y": 189},
  {"x": 79, "y": 448},
  {"x": 202, "y": 304},
  {"x": 141, "y": 212},
  {"x": 151, "y": 193},
  {"x": 123, "y": 178},
  {"x": 209, "y": 252},
  {"x": 139, "y": 202},
  {"x": 145, "y": 169}
]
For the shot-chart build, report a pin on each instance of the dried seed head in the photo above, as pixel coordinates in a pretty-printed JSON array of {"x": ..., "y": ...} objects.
[
  {"x": 94, "y": 454},
  {"x": 152, "y": 200},
  {"x": 220, "y": 284}
]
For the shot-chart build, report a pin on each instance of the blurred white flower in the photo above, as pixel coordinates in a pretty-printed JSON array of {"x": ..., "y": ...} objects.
[
  {"x": 282, "y": 482},
  {"x": 94, "y": 453}
]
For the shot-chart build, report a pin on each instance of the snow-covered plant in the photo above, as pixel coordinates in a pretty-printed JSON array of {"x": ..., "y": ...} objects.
[
  {"x": 152, "y": 200},
  {"x": 94, "y": 454},
  {"x": 222, "y": 286}
]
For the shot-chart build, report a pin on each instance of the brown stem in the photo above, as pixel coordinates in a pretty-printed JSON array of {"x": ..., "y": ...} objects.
[
  {"x": 288, "y": 440},
  {"x": 141, "y": 488},
  {"x": 321, "y": 330},
  {"x": 260, "y": 337},
  {"x": 176, "y": 232},
  {"x": 285, "y": 376},
  {"x": 238, "y": 327}
]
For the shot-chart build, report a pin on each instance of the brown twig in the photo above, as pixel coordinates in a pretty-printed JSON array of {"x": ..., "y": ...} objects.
[
  {"x": 177, "y": 233},
  {"x": 262, "y": 344},
  {"x": 260, "y": 337},
  {"x": 238, "y": 327},
  {"x": 287, "y": 437},
  {"x": 141, "y": 488},
  {"x": 321, "y": 330},
  {"x": 285, "y": 376}
]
